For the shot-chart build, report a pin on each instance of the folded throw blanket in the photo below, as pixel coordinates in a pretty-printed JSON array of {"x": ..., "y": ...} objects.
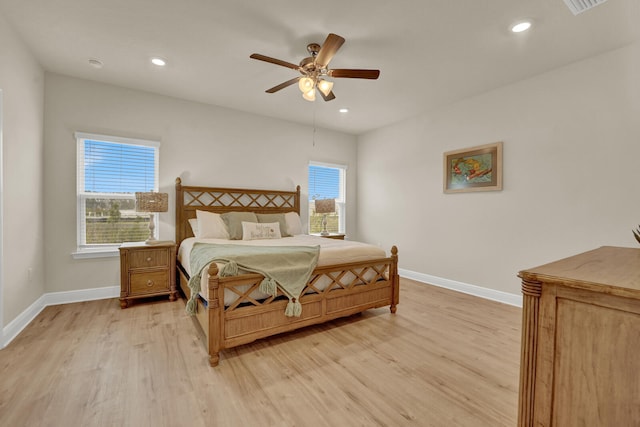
[{"x": 287, "y": 268}]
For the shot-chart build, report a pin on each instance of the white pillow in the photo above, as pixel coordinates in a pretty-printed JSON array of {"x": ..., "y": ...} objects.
[
  {"x": 294, "y": 225},
  {"x": 211, "y": 226},
  {"x": 260, "y": 230},
  {"x": 193, "y": 222}
]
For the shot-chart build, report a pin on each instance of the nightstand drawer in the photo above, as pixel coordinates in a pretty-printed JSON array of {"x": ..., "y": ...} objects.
[
  {"x": 142, "y": 283},
  {"x": 149, "y": 258}
]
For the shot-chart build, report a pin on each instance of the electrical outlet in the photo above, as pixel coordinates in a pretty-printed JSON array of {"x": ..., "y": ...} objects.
[{"x": 30, "y": 274}]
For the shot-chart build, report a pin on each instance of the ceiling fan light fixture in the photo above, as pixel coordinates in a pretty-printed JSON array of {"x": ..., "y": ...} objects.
[
  {"x": 305, "y": 84},
  {"x": 310, "y": 95},
  {"x": 325, "y": 87}
]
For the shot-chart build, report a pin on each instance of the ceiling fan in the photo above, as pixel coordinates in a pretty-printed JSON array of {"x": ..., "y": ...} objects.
[{"x": 315, "y": 69}]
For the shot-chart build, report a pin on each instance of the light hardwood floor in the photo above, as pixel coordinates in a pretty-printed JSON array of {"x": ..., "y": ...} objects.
[{"x": 445, "y": 359}]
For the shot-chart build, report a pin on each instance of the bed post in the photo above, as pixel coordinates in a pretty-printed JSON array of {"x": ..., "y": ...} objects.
[
  {"x": 179, "y": 203},
  {"x": 395, "y": 279},
  {"x": 297, "y": 201},
  {"x": 216, "y": 311}
]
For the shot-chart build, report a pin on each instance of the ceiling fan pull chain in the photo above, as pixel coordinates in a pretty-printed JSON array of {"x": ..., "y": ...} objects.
[{"x": 313, "y": 137}]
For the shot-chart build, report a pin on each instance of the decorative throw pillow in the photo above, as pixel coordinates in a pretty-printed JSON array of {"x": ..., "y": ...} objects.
[
  {"x": 233, "y": 220},
  {"x": 294, "y": 225},
  {"x": 258, "y": 231},
  {"x": 279, "y": 218},
  {"x": 193, "y": 222},
  {"x": 211, "y": 226}
]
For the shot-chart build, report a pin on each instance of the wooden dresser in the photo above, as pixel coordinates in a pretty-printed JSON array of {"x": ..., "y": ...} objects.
[
  {"x": 147, "y": 270},
  {"x": 580, "y": 360}
]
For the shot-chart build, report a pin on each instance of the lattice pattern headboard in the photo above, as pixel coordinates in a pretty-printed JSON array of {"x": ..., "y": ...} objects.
[{"x": 221, "y": 200}]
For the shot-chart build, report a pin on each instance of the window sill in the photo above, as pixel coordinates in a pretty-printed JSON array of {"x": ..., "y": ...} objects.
[{"x": 95, "y": 253}]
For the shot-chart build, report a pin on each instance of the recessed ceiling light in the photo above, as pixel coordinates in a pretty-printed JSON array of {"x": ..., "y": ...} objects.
[
  {"x": 158, "y": 61},
  {"x": 521, "y": 26},
  {"x": 344, "y": 110},
  {"x": 95, "y": 63}
]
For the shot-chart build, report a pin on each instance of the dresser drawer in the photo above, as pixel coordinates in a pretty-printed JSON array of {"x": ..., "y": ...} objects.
[
  {"x": 149, "y": 258},
  {"x": 143, "y": 283}
]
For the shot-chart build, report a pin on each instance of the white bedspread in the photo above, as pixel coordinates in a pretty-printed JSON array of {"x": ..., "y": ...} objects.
[{"x": 332, "y": 251}]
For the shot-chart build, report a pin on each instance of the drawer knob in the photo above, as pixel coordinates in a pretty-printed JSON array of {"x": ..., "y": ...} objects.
[
  {"x": 149, "y": 283},
  {"x": 149, "y": 259}
]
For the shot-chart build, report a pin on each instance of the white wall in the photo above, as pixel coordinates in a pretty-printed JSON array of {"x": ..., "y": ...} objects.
[
  {"x": 571, "y": 149},
  {"x": 203, "y": 144},
  {"x": 22, "y": 85}
]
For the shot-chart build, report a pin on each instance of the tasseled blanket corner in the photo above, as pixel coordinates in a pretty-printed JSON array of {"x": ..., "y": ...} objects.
[
  {"x": 229, "y": 269},
  {"x": 191, "y": 306},
  {"x": 269, "y": 286},
  {"x": 294, "y": 308}
]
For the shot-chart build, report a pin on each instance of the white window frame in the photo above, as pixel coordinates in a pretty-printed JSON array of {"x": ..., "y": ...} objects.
[
  {"x": 341, "y": 201},
  {"x": 85, "y": 250}
]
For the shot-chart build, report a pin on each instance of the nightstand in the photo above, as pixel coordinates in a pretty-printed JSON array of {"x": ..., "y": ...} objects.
[
  {"x": 147, "y": 270},
  {"x": 339, "y": 236}
]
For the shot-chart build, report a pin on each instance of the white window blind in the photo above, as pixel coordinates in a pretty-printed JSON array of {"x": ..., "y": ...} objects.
[
  {"x": 109, "y": 172},
  {"x": 327, "y": 181}
]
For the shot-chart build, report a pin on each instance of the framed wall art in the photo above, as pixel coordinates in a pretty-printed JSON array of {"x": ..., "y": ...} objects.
[{"x": 473, "y": 169}]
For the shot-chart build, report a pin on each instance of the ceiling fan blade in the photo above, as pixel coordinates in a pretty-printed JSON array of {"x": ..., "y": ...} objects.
[
  {"x": 354, "y": 74},
  {"x": 328, "y": 49},
  {"x": 329, "y": 97},
  {"x": 283, "y": 85},
  {"x": 274, "y": 61}
]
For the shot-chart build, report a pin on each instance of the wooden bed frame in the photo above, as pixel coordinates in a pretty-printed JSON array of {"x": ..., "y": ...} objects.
[{"x": 247, "y": 319}]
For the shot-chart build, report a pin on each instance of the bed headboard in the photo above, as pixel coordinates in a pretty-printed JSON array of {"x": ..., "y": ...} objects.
[{"x": 221, "y": 200}]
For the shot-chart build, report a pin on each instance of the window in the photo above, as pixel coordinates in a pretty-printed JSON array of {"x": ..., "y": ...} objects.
[
  {"x": 110, "y": 170},
  {"x": 327, "y": 181}
]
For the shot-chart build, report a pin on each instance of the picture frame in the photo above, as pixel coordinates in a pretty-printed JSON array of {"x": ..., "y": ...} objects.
[{"x": 473, "y": 169}]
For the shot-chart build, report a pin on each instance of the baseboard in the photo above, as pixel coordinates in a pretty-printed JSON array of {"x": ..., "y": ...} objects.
[
  {"x": 16, "y": 326},
  {"x": 491, "y": 294}
]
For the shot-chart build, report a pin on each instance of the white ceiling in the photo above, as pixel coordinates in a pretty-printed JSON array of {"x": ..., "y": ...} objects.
[{"x": 430, "y": 52}]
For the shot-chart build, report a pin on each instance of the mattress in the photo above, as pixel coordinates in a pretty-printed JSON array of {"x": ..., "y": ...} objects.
[{"x": 332, "y": 251}]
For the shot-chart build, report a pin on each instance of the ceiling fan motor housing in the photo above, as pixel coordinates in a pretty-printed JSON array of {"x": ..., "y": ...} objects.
[{"x": 307, "y": 64}]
